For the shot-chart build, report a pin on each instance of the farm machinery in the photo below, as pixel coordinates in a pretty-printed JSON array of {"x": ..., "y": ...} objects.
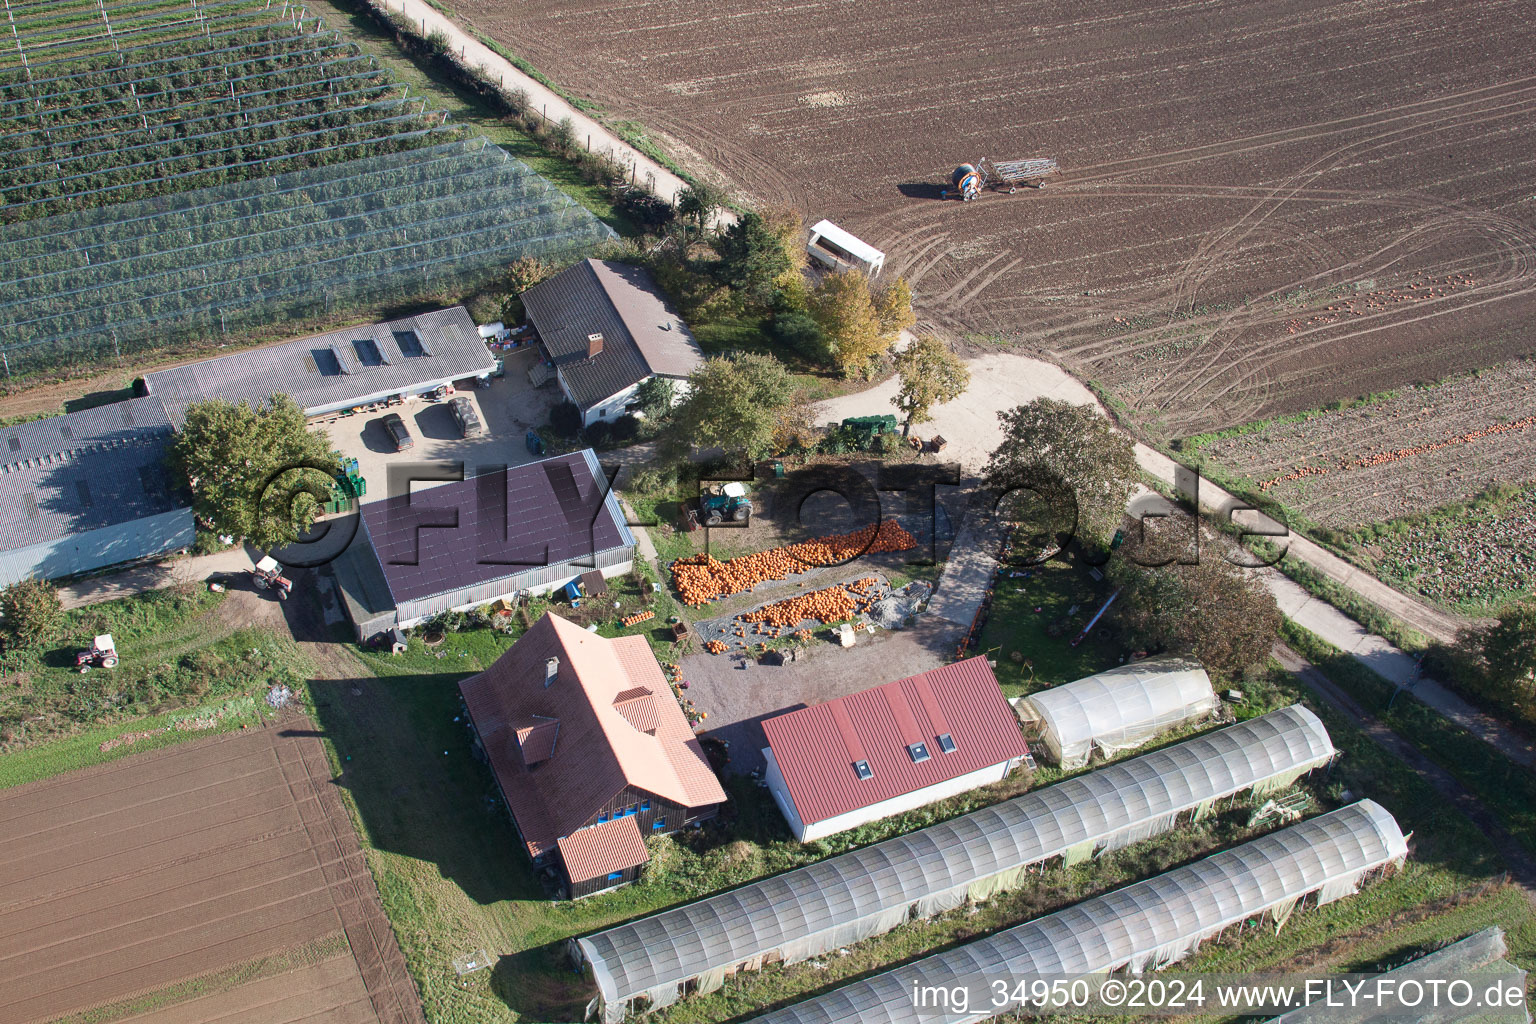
[
  {"x": 725, "y": 501},
  {"x": 268, "y": 575},
  {"x": 102, "y": 654},
  {"x": 1000, "y": 176}
]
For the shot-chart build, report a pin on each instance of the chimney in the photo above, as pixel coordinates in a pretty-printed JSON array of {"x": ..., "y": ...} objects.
[
  {"x": 594, "y": 345},
  {"x": 551, "y": 669}
]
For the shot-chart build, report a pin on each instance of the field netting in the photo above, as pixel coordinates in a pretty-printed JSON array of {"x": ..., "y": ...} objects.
[
  {"x": 114, "y": 103},
  {"x": 80, "y": 287}
]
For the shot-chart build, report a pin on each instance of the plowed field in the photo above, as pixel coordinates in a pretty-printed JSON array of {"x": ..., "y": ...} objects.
[
  {"x": 155, "y": 885},
  {"x": 1232, "y": 170}
]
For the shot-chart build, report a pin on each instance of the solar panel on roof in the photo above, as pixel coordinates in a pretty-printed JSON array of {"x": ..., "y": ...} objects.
[
  {"x": 341, "y": 361},
  {"x": 65, "y": 431},
  {"x": 83, "y": 487}
]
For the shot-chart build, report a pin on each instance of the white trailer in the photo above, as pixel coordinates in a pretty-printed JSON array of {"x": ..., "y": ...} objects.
[{"x": 833, "y": 247}]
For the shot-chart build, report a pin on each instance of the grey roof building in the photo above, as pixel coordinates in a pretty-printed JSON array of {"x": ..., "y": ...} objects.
[
  {"x": 87, "y": 490},
  {"x": 607, "y": 327},
  {"x": 339, "y": 370},
  {"x": 464, "y": 544}
]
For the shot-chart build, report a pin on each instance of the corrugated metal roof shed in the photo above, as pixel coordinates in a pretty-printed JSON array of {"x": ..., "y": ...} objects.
[
  {"x": 1141, "y": 926},
  {"x": 1121, "y": 708},
  {"x": 494, "y": 526},
  {"x": 894, "y": 729},
  {"x": 642, "y": 336},
  {"x": 864, "y": 892},
  {"x": 65, "y": 475},
  {"x": 335, "y": 370}
]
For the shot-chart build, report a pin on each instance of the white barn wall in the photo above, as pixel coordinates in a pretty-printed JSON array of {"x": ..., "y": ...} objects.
[
  {"x": 101, "y": 548},
  {"x": 874, "y": 812}
]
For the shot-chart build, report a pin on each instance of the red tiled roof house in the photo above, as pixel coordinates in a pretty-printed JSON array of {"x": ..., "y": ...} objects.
[
  {"x": 892, "y": 748},
  {"x": 590, "y": 750}
]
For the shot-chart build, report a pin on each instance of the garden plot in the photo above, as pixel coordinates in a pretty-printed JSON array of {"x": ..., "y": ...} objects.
[
  {"x": 1478, "y": 558},
  {"x": 1405, "y": 453}
]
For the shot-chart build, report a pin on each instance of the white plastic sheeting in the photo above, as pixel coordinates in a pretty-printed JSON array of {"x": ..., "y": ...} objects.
[
  {"x": 1478, "y": 958},
  {"x": 1121, "y": 708},
  {"x": 866, "y": 892},
  {"x": 1138, "y": 928}
]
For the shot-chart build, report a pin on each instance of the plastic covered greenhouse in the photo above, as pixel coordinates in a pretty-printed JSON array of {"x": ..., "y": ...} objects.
[
  {"x": 1479, "y": 957},
  {"x": 843, "y": 899},
  {"x": 1140, "y": 927},
  {"x": 1120, "y": 709}
]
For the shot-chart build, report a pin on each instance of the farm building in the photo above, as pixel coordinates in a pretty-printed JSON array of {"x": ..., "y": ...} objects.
[
  {"x": 607, "y": 328},
  {"x": 340, "y": 370},
  {"x": 88, "y": 490},
  {"x": 891, "y": 748},
  {"x": 1140, "y": 927},
  {"x": 1118, "y": 709},
  {"x": 590, "y": 750},
  {"x": 1478, "y": 958},
  {"x": 520, "y": 530},
  {"x": 870, "y": 891}
]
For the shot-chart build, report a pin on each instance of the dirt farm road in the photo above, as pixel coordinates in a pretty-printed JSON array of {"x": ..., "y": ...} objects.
[
  {"x": 1004, "y": 380},
  {"x": 473, "y": 53}
]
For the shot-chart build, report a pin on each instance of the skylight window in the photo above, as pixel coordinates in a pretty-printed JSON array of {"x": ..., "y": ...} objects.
[
  {"x": 947, "y": 743},
  {"x": 862, "y": 770},
  {"x": 919, "y": 752}
]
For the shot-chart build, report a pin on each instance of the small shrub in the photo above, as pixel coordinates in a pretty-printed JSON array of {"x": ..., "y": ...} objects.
[
  {"x": 32, "y": 611},
  {"x": 599, "y": 432},
  {"x": 563, "y": 136},
  {"x": 625, "y": 428},
  {"x": 565, "y": 419}
]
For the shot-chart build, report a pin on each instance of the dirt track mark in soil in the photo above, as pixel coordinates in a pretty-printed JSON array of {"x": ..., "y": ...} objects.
[{"x": 1217, "y": 158}]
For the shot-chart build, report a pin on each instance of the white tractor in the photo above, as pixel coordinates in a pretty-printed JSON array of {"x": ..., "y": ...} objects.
[
  {"x": 103, "y": 654},
  {"x": 268, "y": 575}
]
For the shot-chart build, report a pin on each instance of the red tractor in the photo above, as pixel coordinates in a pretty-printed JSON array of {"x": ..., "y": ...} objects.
[
  {"x": 268, "y": 575},
  {"x": 103, "y": 654}
]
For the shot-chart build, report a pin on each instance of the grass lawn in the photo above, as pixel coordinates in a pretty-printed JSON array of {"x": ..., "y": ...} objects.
[
  {"x": 1064, "y": 594},
  {"x": 1505, "y": 788},
  {"x": 177, "y": 649},
  {"x": 84, "y": 749}
]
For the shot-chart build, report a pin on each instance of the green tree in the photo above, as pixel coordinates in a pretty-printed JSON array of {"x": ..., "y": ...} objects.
[
  {"x": 699, "y": 201},
  {"x": 1211, "y": 610},
  {"x": 1500, "y": 660},
  {"x": 893, "y": 306},
  {"x": 734, "y": 402},
  {"x": 844, "y": 308},
  {"x": 523, "y": 273},
  {"x": 257, "y": 473},
  {"x": 930, "y": 375},
  {"x": 32, "y": 611},
  {"x": 1072, "y": 457},
  {"x": 754, "y": 257},
  {"x": 655, "y": 396}
]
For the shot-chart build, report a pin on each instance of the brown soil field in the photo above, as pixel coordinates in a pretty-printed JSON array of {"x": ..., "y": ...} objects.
[
  {"x": 1406, "y": 454},
  {"x": 1231, "y": 170},
  {"x": 134, "y": 887}
]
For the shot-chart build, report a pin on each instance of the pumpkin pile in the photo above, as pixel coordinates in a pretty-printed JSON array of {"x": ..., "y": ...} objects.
[
  {"x": 702, "y": 578},
  {"x": 630, "y": 620},
  {"x": 715, "y": 647},
  {"x": 833, "y": 604}
]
